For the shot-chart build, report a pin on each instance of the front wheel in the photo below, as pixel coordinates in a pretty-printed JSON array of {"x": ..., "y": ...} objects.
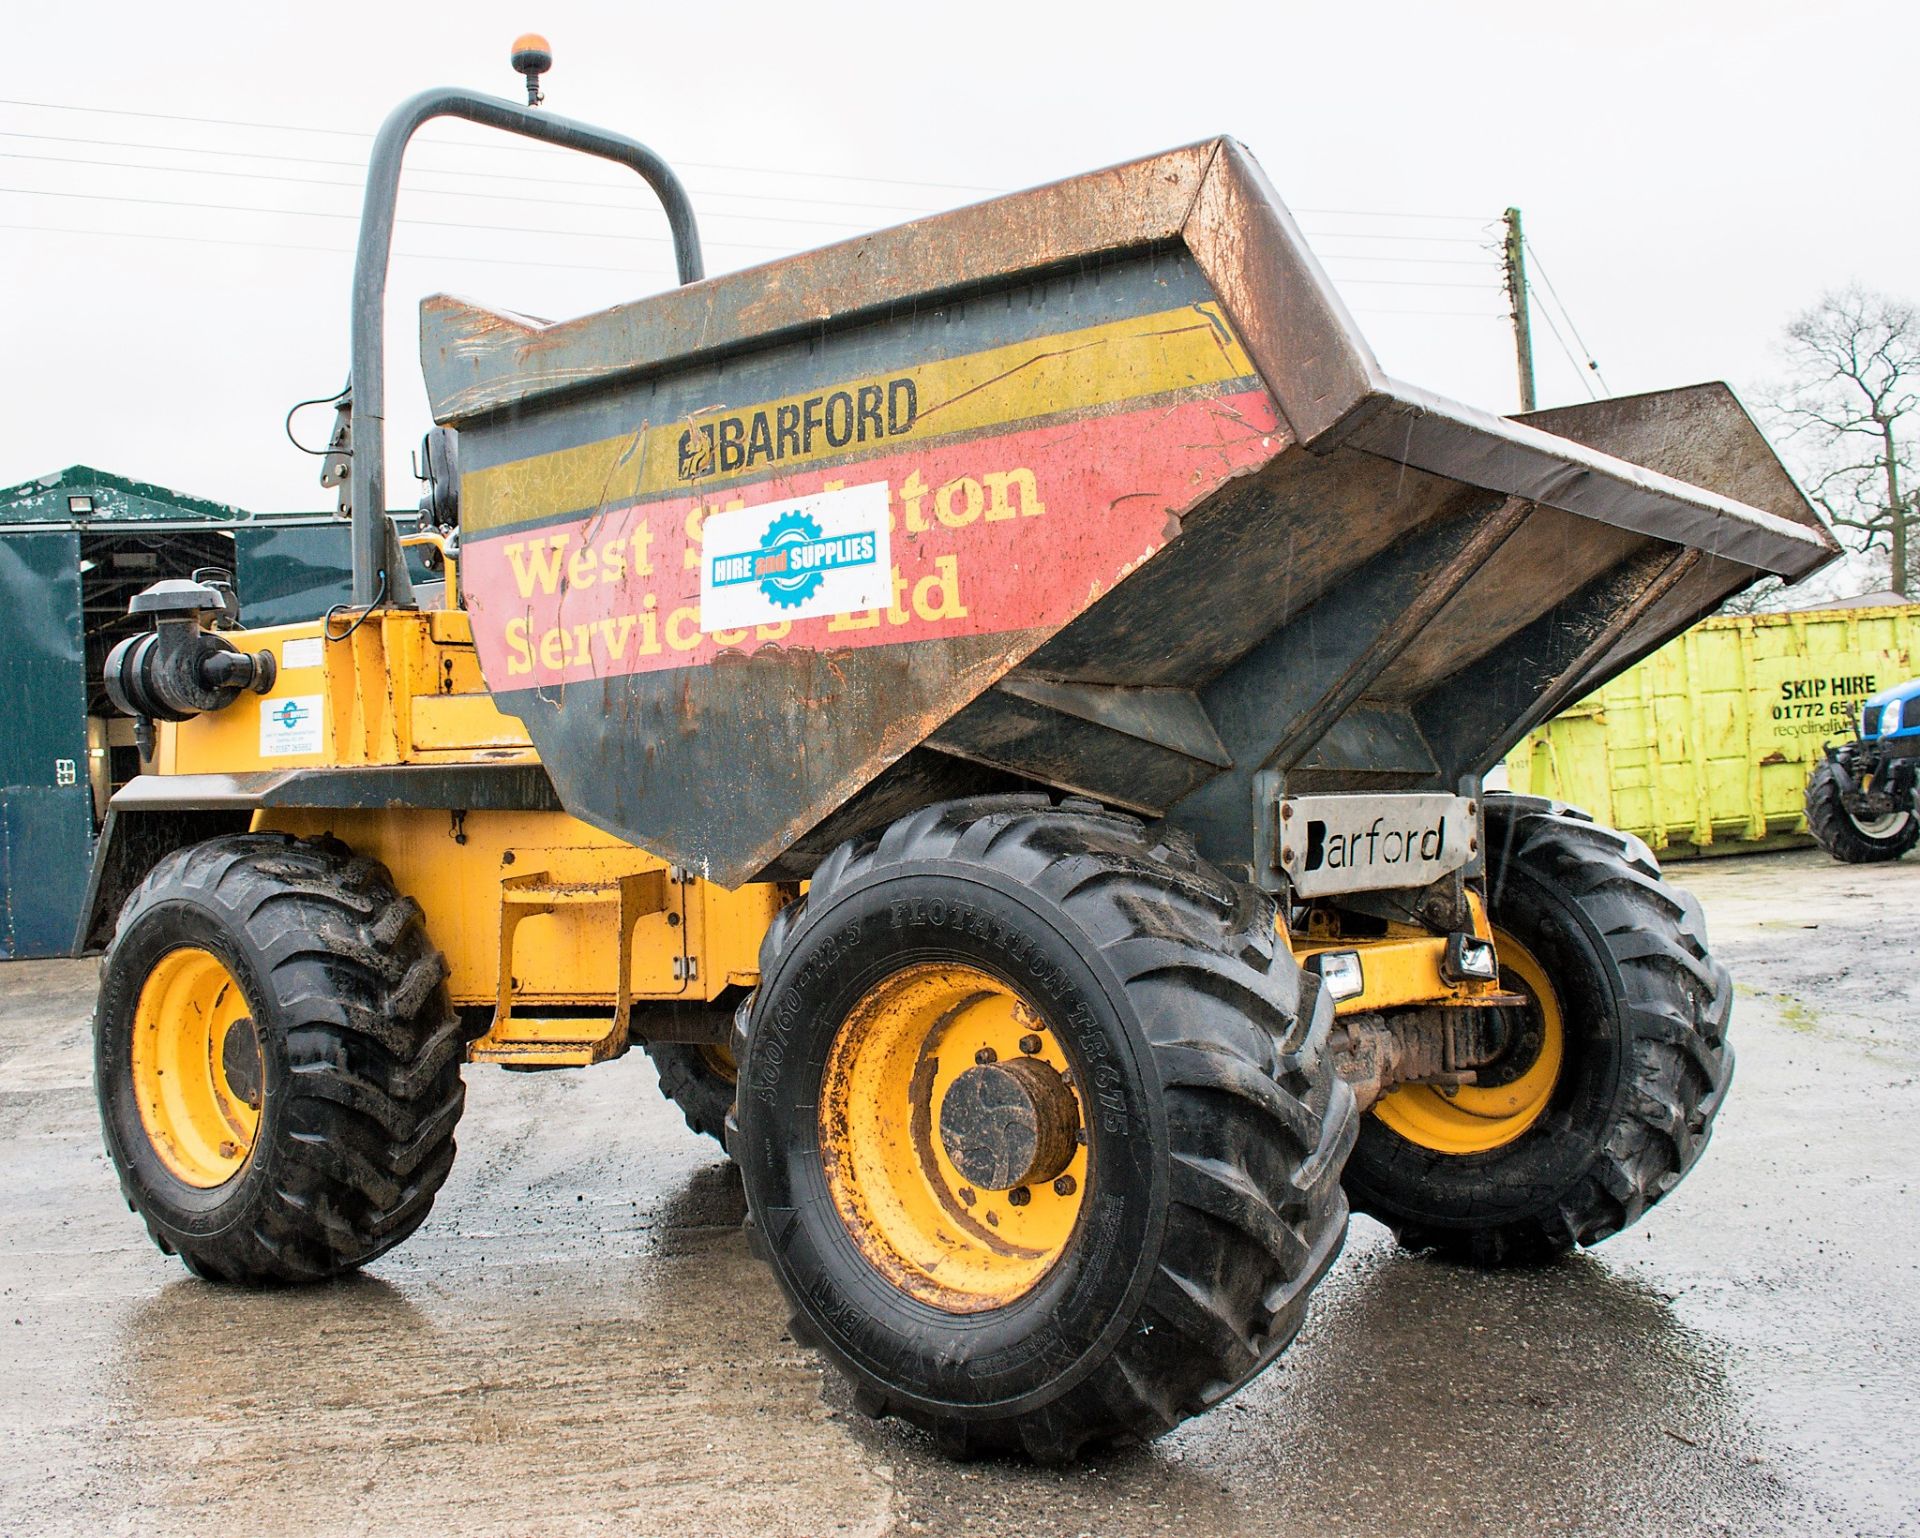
[
  {"x": 1856, "y": 840},
  {"x": 1618, "y": 1064},
  {"x": 1035, "y": 1130},
  {"x": 277, "y": 1065}
]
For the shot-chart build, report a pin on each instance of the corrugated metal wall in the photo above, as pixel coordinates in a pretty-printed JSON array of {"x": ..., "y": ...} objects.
[{"x": 46, "y": 810}]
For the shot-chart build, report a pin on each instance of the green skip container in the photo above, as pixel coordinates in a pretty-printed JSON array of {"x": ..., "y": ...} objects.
[{"x": 1704, "y": 746}]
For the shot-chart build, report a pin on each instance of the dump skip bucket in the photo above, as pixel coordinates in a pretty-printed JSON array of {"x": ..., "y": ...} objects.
[{"x": 1094, "y": 488}]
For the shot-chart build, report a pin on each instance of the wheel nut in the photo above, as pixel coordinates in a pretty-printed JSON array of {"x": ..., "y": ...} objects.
[
  {"x": 1019, "y": 1196},
  {"x": 1064, "y": 1186},
  {"x": 1030, "y": 1044},
  {"x": 986, "y": 1055}
]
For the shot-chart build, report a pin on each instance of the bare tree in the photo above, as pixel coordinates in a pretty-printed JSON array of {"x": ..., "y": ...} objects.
[
  {"x": 1766, "y": 595},
  {"x": 1851, "y": 411}
]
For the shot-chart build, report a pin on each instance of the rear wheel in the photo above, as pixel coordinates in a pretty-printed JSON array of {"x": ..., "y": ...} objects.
[
  {"x": 1617, "y": 1067},
  {"x": 1034, "y": 1131},
  {"x": 699, "y": 1079},
  {"x": 1856, "y": 840},
  {"x": 277, "y": 1066}
]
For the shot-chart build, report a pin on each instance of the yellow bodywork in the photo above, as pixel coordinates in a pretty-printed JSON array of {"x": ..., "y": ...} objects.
[
  {"x": 534, "y": 910},
  {"x": 404, "y": 688},
  {"x": 559, "y": 928},
  {"x": 1705, "y": 747},
  {"x": 1401, "y": 968}
]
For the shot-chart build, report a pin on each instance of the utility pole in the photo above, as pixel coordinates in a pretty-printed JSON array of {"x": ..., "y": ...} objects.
[{"x": 1516, "y": 251}]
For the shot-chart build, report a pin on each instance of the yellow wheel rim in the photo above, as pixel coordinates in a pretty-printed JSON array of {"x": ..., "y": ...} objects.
[
  {"x": 935, "y": 1069},
  {"x": 196, "y": 1068},
  {"x": 720, "y": 1060},
  {"x": 1473, "y": 1118}
]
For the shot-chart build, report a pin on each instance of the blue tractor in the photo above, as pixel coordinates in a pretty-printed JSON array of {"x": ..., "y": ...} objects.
[{"x": 1863, "y": 797}]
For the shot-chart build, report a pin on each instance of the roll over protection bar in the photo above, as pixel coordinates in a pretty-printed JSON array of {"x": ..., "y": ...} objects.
[{"x": 378, "y": 572}]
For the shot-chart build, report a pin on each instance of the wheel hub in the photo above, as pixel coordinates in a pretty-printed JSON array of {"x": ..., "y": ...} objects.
[
  {"x": 1009, "y": 1124},
  {"x": 952, "y": 1138},
  {"x": 1510, "y": 1093},
  {"x": 240, "y": 1061}
]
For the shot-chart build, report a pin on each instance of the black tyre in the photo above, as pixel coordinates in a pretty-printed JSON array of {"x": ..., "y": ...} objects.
[
  {"x": 698, "y": 1079},
  {"x": 1628, "y": 1030},
  {"x": 1847, "y": 837},
  {"x": 277, "y": 1065},
  {"x": 1111, "y": 1088}
]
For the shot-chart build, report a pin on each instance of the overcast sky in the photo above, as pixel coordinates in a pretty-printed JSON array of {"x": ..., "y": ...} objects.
[{"x": 1691, "y": 175}]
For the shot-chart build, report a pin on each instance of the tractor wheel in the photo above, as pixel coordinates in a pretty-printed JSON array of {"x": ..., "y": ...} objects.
[
  {"x": 1849, "y": 838},
  {"x": 1617, "y": 1071},
  {"x": 698, "y": 1079},
  {"x": 277, "y": 1065},
  {"x": 1036, "y": 1132}
]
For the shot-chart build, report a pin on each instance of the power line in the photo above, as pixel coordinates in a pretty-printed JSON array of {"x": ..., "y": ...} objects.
[
  {"x": 912, "y": 209},
  {"x": 1382, "y": 213},
  {"x": 1567, "y": 314},
  {"x": 1422, "y": 261},
  {"x": 1547, "y": 316},
  {"x": 175, "y": 117},
  {"x": 439, "y": 192},
  {"x": 1417, "y": 283},
  {"x": 318, "y": 213},
  {"x": 354, "y": 133},
  {"x": 1436, "y": 314},
  {"x": 536, "y": 263},
  {"x": 461, "y": 224},
  {"x": 526, "y": 198},
  {"x": 282, "y": 245},
  {"x": 1440, "y": 240}
]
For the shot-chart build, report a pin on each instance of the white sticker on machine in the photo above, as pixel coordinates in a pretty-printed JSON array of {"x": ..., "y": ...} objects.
[
  {"x": 290, "y": 725},
  {"x": 824, "y": 554},
  {"x": 302, "y": 652}
]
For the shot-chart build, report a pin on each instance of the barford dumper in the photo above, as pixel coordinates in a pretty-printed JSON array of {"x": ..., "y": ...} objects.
[{"x": 996, "y": 708}]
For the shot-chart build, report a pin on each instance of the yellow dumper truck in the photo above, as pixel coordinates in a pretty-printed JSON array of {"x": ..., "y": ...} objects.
[{"x": 996, "y": 709}]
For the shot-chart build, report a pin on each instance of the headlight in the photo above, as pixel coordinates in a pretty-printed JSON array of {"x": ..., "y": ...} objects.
[
  {"x": 1890, "y": 719},
  {"x": 1469, "y": 959},
  {"x": 1340, "y": 973}
]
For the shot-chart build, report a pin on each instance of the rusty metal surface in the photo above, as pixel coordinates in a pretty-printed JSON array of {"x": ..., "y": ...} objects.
[
  {"x": 1137, "y": 464},
  {"x": 479, "y": 361},
  {"x": 1213, "y": 199},
  {"x": 1696, "y": 433}
]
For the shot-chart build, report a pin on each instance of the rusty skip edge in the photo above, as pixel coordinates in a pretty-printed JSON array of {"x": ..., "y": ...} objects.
[{"x": 1210, "y": 197}]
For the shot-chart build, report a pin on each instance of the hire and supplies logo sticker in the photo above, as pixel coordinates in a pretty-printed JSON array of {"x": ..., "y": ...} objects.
[
  {"x": 824, "y": 554},
  {"x": 290, "y": 725}
]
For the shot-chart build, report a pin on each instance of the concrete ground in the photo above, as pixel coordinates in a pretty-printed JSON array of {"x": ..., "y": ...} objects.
[{"x": 578, "y": 1342}]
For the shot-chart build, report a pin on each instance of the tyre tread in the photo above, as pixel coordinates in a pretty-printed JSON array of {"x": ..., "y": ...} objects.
[
  {"x": 373, "y": 1088},
  {"x": 1678, "y": 1000},
  {"x": 1246, "y": 1087},
  {"x": 1834, "y": 831}
]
